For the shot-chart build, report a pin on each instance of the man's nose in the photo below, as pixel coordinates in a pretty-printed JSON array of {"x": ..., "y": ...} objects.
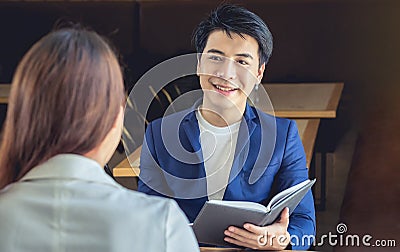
[{"x": 227, "y": 70}]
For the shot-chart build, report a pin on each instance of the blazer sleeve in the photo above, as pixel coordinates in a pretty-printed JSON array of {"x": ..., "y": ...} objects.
[
  {"x": 179, "y": 236},
  {"x": 293, "y": 171},
  {"x": 151, "y": 179}
]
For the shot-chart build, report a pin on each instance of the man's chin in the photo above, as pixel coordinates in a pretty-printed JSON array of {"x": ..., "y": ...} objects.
[{"x": 220, "y": 104}]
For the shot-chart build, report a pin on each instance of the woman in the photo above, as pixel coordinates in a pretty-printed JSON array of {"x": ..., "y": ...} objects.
[{"x": 63, "y": 124}]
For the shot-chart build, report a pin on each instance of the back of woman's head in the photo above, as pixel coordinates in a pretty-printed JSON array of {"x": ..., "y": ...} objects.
[{"x": 66, "y": 93}]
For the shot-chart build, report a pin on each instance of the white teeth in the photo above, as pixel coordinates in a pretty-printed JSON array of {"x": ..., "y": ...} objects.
[{"x": 224, "y": 89}]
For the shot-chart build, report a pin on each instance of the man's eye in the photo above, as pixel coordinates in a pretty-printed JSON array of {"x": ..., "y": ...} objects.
[
  {"x": 215, "y": 58},
  {"x": 243, "y": 62}
]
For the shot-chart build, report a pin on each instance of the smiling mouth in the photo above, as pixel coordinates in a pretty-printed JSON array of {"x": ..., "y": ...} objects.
[{"x": 225, "y": 89}]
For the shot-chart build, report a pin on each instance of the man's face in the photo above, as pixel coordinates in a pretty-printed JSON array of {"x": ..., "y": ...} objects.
[{"x": 229, "y": 69}]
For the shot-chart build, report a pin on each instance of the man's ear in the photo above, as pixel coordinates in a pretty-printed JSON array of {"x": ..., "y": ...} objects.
[{"x": 260, "y": 72}]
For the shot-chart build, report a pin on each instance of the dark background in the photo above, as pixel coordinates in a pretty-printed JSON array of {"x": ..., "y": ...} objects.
[{"x": 353, "y": 41}]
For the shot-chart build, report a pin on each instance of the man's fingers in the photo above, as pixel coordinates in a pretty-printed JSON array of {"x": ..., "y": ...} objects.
[
  {"x": 274, "y": 236},
  {"x": 253, "y": 228},
  {"x": 284, "y": 220},
  {"x": 240, "y": 234}
]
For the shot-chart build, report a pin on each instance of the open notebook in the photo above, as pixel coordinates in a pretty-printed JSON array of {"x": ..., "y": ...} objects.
[{"x": 217, "y": 215}]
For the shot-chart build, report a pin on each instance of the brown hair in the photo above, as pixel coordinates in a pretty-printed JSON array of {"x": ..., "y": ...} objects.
[{"x": 65, "y": 96}]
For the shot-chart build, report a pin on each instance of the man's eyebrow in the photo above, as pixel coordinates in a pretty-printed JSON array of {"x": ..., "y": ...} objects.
[
  {"x": 215, "y": 51},
  {"x": 246, "y": 55}
]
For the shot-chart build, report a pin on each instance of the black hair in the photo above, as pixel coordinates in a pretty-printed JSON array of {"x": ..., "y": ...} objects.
[{"x": 235, "y": 19}]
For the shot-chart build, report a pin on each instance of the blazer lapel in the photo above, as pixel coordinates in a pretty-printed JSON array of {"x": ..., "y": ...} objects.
[
  {"x": 246, "y": 131},
  {"x": 190, "y": 139}
]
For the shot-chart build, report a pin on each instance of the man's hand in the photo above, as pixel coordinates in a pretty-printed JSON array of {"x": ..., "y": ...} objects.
[{"x": 272, "y": 237}]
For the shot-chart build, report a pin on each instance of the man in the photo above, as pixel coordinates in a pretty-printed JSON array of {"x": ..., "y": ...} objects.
[{"x": 223, "y": 148}]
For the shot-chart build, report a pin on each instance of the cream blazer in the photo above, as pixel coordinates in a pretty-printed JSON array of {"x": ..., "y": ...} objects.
[{"x": 70, "y": 204}]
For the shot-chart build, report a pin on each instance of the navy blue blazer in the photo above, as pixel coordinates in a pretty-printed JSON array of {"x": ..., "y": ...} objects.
[{"x": 269, "y": 158}]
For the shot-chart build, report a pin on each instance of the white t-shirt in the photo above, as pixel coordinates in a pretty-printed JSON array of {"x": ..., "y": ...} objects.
[{"x": 218, "y": 145}]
